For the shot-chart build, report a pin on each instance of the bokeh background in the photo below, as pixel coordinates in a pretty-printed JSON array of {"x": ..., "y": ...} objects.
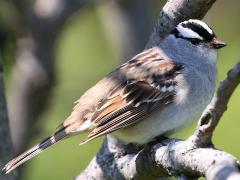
[{"x": 92, "y": 41}]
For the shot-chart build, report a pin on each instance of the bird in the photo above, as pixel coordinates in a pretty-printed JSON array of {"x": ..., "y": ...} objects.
[{"x": 157, "y": 92}]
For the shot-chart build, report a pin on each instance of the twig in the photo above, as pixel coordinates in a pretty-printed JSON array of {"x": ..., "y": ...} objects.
[{"x": 216, "y": 108}]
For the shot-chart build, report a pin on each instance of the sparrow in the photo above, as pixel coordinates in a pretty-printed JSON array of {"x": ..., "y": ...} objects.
[{"x": 160, "y": 90}]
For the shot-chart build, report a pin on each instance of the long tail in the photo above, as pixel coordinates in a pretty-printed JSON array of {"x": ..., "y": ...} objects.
[{"x": 35, "y": 150}]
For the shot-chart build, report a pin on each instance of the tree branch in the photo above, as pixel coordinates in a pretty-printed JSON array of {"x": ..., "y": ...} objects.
[
  {"x": 6, "y": 147},
  {"x": 34, "y": 73},
  {"x": 216, "y": 108}
]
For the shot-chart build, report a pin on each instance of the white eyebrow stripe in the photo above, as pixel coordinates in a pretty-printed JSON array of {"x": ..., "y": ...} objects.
[
  {"x": 205, "y": 26},
  {"x": 188, "y": 33}
]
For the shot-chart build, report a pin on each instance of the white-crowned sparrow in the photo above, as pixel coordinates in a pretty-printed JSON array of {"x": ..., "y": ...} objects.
[{"x": 156, "y": 92}]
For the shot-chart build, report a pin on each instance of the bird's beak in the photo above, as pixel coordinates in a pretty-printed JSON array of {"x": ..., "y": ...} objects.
[{"x": 217, "y": 44}]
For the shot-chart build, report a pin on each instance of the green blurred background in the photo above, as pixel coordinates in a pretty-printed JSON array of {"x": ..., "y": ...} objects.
[{"x": 84, "y": 55}]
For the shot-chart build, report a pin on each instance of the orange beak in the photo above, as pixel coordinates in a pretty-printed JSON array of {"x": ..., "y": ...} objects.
[{"x": 217, "y": 44}]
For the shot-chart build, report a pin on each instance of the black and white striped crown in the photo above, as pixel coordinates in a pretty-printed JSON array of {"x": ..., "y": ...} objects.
[{"x": 194, "y": 29}]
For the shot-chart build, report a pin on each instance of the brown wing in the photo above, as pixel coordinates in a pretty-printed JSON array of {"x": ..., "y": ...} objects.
[{"x": 148, "y": 84}]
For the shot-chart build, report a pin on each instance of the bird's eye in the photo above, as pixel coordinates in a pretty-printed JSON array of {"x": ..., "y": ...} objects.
[{"x": 195, "y": 41}]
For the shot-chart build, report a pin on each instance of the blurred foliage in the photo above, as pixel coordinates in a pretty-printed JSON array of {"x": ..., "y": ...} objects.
[{"x": 83, "y": 56}]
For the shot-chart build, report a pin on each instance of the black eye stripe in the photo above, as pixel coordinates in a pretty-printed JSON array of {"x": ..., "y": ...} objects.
[
  {"x": 200, "y": 30},
  {"x": 195, "y": 41},
  {"x": 175, "y": 32}
]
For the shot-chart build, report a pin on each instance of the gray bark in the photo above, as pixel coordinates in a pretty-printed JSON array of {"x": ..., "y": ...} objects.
[
  {"x": 34, "y": 73},
  {"x": 6, "y": 147},
  {"x": 167, "y": 158}
]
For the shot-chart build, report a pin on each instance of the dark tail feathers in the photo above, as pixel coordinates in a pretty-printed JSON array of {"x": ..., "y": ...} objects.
[{"x": 35, "y": 150}]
